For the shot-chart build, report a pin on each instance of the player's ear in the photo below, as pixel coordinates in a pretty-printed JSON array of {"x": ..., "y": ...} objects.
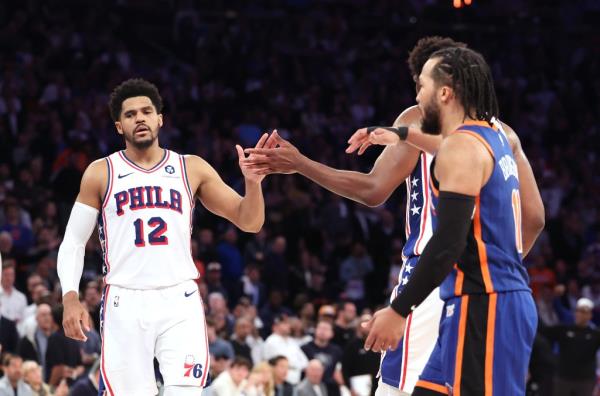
[
  {"x": 160, "y": 120},
  {"x": 446, "y": 93},
  {"x": 119, "y": 127}
]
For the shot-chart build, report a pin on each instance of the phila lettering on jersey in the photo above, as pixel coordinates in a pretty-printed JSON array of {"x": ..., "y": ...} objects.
[{"x": 145, "y": 224}]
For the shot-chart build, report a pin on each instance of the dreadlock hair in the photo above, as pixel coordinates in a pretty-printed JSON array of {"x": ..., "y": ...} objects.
[
  {"x": 130, "y": 89},
  {"x": 469, "y": 76},
  {"x": 425, "y": 47}
]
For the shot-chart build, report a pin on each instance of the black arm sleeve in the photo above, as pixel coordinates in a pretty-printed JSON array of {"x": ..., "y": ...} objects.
[{"x": 454, "y": 212}]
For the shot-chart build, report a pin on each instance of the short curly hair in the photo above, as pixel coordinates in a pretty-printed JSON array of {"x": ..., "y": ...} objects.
[
  {"x": 427, "y": 46},
  {"x": 130, "y": 89}
]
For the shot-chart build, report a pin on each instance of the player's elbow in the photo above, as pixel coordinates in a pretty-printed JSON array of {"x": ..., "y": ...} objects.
[
  {"x": 373, "y": 197},
  {"x": 252, "y": 228},
  {"x": 535, "y": 219}
]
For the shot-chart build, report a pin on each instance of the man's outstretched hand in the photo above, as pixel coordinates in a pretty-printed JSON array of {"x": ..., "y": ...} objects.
[{"x": 278, "y": 156}]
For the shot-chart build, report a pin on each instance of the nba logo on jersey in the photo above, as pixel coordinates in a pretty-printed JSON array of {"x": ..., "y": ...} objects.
[{"x": 116, "y": 301}]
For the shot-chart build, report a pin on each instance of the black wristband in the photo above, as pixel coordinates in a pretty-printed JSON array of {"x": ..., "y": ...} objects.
[{"x": 402, "y": 131}]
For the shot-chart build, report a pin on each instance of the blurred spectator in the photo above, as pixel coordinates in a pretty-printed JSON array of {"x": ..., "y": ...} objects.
[
  {"x": 329, "y": 354},
  {"x": 9, "y": 337},
  {"x": 214, "y": 283},
  {"x": 88, "y": 385},
  {"x": 12, "y": 383},
  {"x": 63, "y": 355},
  {"x": 327, "y": 313},
  {"x": 358, "y": 363},
  {"x": 280, "y": 366},
  {"x": 273, "y": 308},
  {"x": 231, "y": 382},
  {"x": 280, "y": 343},
  {"x": 345, "y": 324},
  {"x": 312, "y": 384},
  {"x": 230, "y": 257},
  {"x": 242, "y": 330},
  {"x": 353, "y": 271},
  {"x": 217, "y": 346},
  {"x": 12, "y": 302},
  {"x": 540, "y": 275},
  {"x": 578, "y": 344},
  {"x": 250, "y": 285},
  {"x": 32, "y": 375},
  {"x": 256, "y": 249},
  {"x": 22, "y": 236},
  {"x": 260, "y": 381},
  {"x": 276, "y": 269},
  {"x": 34, "y": 344}
]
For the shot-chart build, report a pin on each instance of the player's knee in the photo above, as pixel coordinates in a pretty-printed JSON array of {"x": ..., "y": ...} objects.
[{"x": 180, "y": 390}]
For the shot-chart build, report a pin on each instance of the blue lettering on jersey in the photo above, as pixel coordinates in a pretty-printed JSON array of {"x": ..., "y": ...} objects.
[{"x": 147, "y": 197}]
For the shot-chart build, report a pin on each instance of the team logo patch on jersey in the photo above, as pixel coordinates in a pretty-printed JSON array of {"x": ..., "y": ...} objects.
[
  {"x": 192, "y": 368},
  {"x": 169, "y": 169}
]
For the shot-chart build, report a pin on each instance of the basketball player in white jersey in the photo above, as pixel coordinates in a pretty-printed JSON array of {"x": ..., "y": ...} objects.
[
  {"x": 142, "y": 199},
  {"x": 407, "y": 162}
]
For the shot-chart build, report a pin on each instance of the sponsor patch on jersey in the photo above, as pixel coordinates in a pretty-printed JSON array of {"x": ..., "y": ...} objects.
[{"x": 169, "y": 169}]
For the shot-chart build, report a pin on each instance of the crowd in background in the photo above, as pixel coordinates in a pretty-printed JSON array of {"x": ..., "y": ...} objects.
[{"x": 316, "y": 71}]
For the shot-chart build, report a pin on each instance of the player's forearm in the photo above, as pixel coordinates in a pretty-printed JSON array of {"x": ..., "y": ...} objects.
[
  {"x": 357, "y": 186},
  {"x": 532, "y": 206},
  {"x": 251, "y": 212},
  {"x": 423, "y": 141}
]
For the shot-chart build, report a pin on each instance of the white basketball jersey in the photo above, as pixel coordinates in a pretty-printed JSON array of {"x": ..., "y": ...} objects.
[{"x": 145, "y": 223}]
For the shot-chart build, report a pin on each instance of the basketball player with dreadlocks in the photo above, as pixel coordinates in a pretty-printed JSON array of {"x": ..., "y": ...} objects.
[
  {"x": 407, "y": 161},
  {"x": 475, "y": 253}
]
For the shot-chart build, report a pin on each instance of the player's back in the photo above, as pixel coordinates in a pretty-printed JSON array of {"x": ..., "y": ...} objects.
[
  {"x": 492, "y": 260},
  {"x": 145, "y": 223}
]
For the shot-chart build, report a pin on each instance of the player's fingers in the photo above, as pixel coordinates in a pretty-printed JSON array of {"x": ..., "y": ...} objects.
[
  {"x": 262, "y": 140},
  {"x": 354, "y": 146},
  {"x": 358, "y": 135},
  {"x": 240, "y": 152},
  {"x": 260, "y": 151},
  {"x": 371, "y": 338},
  {"x": 363, "y": 147},
  {"x": 85, "y": 320},
  {"x": 272, "y": 140}
]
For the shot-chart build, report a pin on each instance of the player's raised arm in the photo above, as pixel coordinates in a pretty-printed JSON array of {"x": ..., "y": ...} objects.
[
  {"x": 247, "y": 212},
  {"x": 389, "y": 171},
  {"x": 532, "y": 206},
  {"x": 70, "y": 254}
]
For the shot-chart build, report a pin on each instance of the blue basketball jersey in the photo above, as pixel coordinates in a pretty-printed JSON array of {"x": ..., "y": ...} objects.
[{"x": 492, "y": 260}]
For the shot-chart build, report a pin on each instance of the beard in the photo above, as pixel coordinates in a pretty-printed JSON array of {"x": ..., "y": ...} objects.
[
  {"x": 141, "y": 143},
  {"x": 431, "y": 123}
]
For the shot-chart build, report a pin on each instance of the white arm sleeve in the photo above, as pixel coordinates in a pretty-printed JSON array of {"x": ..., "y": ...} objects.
[{"x": 72, "y": 249}]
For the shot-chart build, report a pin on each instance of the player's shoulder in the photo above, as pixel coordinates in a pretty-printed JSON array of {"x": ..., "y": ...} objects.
[
  {"x": 411, "y": 115},
  {"x": 97, "y": 168},
  {"x": 461, "y": 147},
  {"x": 511, "y": 136}
]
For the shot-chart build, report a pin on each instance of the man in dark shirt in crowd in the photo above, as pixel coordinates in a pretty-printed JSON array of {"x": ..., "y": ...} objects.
[
  {"x": 280, "y": 367},
  {"x": 328, "y": 353},
  {"x": 358, "y": 362},
  {"x": 88, "y": 385},
  {"x": 63, "y": 356},
  {"x": 578, "y": 344}
]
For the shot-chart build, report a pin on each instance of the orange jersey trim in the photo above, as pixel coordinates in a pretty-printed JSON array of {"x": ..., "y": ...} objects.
[
  {"x": 481, "y": 250},
  {"x": 431, "y": 386},
  {"x": 462, "y": 327},
  {"x": 489, "y": 345}
]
